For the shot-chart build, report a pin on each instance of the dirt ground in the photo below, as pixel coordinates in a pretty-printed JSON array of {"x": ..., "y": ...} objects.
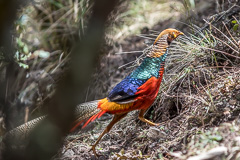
[{"x": 198, "y": 120}]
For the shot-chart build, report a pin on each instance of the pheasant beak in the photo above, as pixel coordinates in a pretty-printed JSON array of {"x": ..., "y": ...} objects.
[
  {"x": 181, "y": 33},
  {"x": 177, "y": 34}
]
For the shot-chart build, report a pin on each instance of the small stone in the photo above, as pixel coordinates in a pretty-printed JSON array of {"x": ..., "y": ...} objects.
[
  {"x": 177, "y": 154},
  {"x": 232, "y": 102},
  {"x": 212, "y": 154},
  {"x": 238, "y": 97},
  {"x": 69, "y": 153},
  {"x": 226, "y": 111},
  {"x": 155, "y": 133},
  {"x": 238, "y": 86},
  {"x": 237, "y": 141},
  {"x": 238, "y": 156}
]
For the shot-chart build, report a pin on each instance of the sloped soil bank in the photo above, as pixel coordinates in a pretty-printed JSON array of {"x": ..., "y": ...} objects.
[{"x": 199, "y": 113}]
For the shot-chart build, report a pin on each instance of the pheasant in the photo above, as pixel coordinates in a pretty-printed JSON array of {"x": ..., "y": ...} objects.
[{"x": 137, "y": 91}]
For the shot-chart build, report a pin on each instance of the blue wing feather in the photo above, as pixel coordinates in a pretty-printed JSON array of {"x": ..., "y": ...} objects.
[{"x": 124, "y": 92}]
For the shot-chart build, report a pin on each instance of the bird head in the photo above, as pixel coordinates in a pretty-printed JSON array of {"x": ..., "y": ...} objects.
[{"x": 170, "y": 34}]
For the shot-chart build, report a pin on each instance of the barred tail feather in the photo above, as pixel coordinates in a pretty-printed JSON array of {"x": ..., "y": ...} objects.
[
  {"x": 86, "y": 110},
  {"x": 82, "y": 112},
  {"x": 22, "y": 131}
]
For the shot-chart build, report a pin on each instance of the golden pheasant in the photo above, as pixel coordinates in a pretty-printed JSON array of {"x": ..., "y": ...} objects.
[{"x": 136, "y": 92}]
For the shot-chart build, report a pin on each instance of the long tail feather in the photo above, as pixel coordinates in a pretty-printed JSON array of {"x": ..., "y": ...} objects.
[
  {"x": 82, "y": 113},
  {"x": 76, "y": 125},
  {"x": 93, "y": 118},
  {"x": 23, "y": 130}
]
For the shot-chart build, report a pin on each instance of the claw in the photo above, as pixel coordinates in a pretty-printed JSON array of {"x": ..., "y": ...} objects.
[
  {"x": 94, "y": 151},
  {"x": 156, "y": 124},
  {"x": 146, "y": 120}
]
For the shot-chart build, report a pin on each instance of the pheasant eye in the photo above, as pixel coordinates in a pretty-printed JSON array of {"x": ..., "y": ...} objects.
[{"x": 173, "y": 35}]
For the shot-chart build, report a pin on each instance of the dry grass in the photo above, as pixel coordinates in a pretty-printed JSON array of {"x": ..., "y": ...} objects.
[
  {"x": 142, "y": 14},
  {"x": 54, "y": 25}
]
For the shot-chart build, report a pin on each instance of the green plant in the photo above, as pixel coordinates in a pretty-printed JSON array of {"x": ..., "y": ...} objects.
[{"x": 235, "y": 25}]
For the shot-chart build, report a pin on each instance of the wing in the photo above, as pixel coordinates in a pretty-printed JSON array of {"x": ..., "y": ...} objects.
[{"x": 124, "y": 92}]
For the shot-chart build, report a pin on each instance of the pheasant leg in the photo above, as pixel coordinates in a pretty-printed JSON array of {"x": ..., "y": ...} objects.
[
  {"x": 140, "y": 116},
  {"x": 116, "y": 118}
]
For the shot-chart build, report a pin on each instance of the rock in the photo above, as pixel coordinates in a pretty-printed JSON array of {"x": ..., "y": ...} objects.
[
  {"x": 213, "y": 153},
  {"x": 238, "y": 97},
  {"x": 155, "y": 133},
  {"x": 69, "y": 153},
  {"x": 232, "y": 102},
  {"x": 237, "y": 87},
  {"x": 237, "y": 140}
]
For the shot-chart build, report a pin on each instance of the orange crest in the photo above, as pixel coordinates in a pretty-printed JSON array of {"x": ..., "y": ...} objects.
[{"x": 171, "y": 34}]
